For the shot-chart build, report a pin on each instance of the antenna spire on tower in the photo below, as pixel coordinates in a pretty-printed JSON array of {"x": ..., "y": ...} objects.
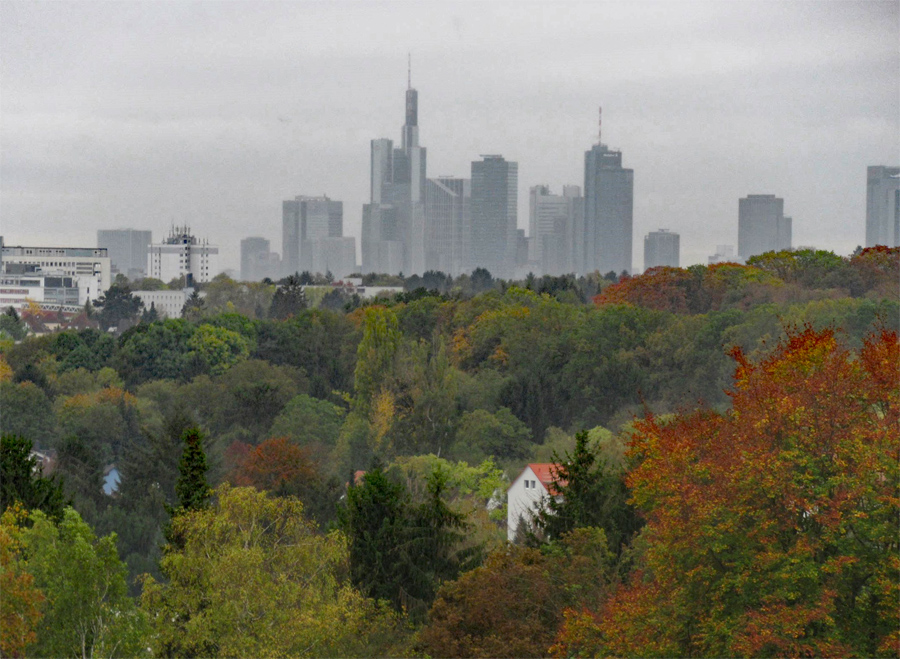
[
  {"x": 409, "y": 70},
  {"x": 600, "y": 125}
]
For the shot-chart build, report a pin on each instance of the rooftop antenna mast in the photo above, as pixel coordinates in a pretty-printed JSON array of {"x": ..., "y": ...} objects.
[
  {"x": 409, "y": 70},
  {"x": 600, "y": 125}
]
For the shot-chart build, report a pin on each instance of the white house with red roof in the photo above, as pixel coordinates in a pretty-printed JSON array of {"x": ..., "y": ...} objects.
[{"x": 528, "y": 494}]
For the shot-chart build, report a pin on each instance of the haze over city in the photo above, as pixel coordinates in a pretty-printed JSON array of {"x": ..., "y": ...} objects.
[{"x": 146, "y": 115}]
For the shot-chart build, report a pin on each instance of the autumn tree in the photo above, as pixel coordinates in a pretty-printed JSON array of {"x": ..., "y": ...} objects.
[
  {"x": 21, "y": 603},
  {"x": 772, "y": 529},
  {"x": 255, "y": 579},
  {"x": 512, "y": 605}
]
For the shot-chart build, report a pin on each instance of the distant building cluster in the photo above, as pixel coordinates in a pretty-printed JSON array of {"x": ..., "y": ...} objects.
[{"x": 412, "y": 224}]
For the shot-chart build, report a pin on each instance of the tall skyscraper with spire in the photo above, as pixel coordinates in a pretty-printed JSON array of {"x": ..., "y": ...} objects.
[
  {"x": 608, "y": 210},
  {"x": 393, "y": 232}
]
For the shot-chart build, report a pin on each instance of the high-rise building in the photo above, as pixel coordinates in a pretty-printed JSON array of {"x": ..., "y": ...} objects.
[
  {"x": 182, "y": 254},
  {"x": 724, "y": 254},
  {"x": 608, "y": 211},
  {"x": 883, "y": 206},
  {"x": 257, "y": 261},
  {"x": 494, "y": 215},
  {"x": 661, "y": 248},
  {"x": 554, "y": 221},
  {"x": 762, "y": 226},
  {"x": 304, "y": 220},
  {"x": 128, "y": 249},
  {"x": 448, "y": 224},
  {"x": 396, "y": 209}
]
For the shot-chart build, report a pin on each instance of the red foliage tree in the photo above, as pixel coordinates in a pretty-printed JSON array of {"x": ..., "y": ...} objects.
[
  {"x": 276, "y": 465},
  {"x": 773, "y": 529}
]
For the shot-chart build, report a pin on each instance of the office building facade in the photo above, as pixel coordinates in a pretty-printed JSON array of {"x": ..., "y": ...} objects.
[
  {"x": 305, "y": 219},
  {"x": 51, "y": 275},
  {"x": 662, "y": 248},
  {"x": 883, "y": 206},
  {"x": 762, "y": 225},
  {"x": 554, "y": 223},
  {"x": 494, "y": 215},
  {"x": 448, "y": 222},
  {"x": 608, "y": 212},
  {"x": 127, "y": 249}
]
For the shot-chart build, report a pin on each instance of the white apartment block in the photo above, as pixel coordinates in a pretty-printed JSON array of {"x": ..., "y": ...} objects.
[{"x": 180, "y": 254}]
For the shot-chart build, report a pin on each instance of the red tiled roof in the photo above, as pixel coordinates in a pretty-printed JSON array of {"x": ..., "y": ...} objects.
[{"x": 545, "y": 472}]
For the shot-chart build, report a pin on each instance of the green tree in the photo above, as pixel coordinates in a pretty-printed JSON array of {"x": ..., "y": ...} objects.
[
  {"x": 27, "y": 412},
  {"x": 255, "y": 579},
  {"x": 590, "y": 494},
  {"x": 217, "y": 348},
  {"x": 289, "y": 299},
  {"x": 118, "y": 308},
  {"x": 401, "y": 552},
  {"x": 89, "y": 612},
  {"x": 11, "y": 324},
  {"x": 191, "y": 488},
  {"x": 482, "y": 434},
  {"x": 21, "y": 480}
]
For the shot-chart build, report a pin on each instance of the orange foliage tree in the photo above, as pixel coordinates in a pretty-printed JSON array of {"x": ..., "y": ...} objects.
[
  {"x": 21, "y": 600},
  {"x": 276, "y": 465},
  {"x": 771, "y": 530}
]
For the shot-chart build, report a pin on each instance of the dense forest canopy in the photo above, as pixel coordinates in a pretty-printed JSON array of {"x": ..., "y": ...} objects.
[{"x": 426, "y": 406}]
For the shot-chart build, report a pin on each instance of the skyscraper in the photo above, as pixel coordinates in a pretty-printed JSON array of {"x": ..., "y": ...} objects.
[
  {"x": 608, "y": 211},
  {"x": 494, "y": 215},
  {"x": 306, "y": 220},
  {"x": 448, "y": 224},
  {"x": 883, "y": 206},
  {"x": 762, "y": 226},
  {"x": 128, "y": 249},
  {"x": 553, "y": 223},
  {"x": 257, "y": 261},
  {"x": 396, "y": 209},
  {"x": 661, "y": 248}
]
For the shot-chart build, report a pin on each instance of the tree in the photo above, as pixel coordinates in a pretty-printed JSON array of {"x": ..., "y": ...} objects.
[
  {"x": 21, "y": 480},
  {"x": 89, "y": 612},
  {"x": 590, "y": 493},
  {"x": 217, "y": 348},
  {"x": 191, "y": 488},
  {"x": 512, "y": 605},
  {"x": 118, "y": 308},
  {"x": 27, "y": 412},
  {"x": 772, "y": 529},
  {"x": 482, "y": 434},
  {"x": 289, "y": 299},
  {"x": 253, "y": 579},
  {"x": 11, "y": 324},
  {"x": 194, "y": 307},
  {"x": 400, "y": 551},
  {"x": 20, "y": 606}
]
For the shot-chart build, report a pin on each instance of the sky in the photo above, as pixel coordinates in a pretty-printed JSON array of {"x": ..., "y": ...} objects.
[{"x": 145, "y": 115}]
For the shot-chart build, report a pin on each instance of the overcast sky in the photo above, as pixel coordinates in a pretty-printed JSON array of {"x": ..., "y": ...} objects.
[{"x": 141, "y": 115}]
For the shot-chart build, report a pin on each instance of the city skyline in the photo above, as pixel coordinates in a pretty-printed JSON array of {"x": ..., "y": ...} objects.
[{"x": 211, "y": 115}]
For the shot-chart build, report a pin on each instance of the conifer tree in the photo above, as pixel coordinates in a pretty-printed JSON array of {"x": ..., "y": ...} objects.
[{"x": 192, "y": 489}]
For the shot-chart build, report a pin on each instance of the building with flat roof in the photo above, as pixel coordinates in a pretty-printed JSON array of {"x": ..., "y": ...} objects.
[
  {"x": 662, "y": 248},
  {"x": 762, "y": 225},
  {"x": 84, "y": 268},
  {"x": 494, "y": 205},
  {"x": 305, "y": 219},
  {"x": 127, "y": 249},
  {"x": 883, "y": 206},
  {"x": 448, "y": 222}
]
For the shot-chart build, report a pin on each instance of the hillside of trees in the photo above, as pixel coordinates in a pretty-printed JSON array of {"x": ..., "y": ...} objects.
[{"x": 328, "y": 477}]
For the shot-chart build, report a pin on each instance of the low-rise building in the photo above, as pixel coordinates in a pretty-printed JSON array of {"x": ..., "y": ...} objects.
[
  {"x": 49, "y": 276},
  {"x": 527, "y": 495}
]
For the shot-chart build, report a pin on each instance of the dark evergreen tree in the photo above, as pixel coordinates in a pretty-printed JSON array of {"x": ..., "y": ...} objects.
[
  {"x": 118, "y": 307},
  {"x": 21, "y": 480},
  {"x": 194, "y": 307},
  {"x": 588, "y": 493},
  {"x": 150, "y": 315},
  {"x": 289, "y": 299},
  {"x": 191, "y": 489},
  {"x": 401, "y": 552}
]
